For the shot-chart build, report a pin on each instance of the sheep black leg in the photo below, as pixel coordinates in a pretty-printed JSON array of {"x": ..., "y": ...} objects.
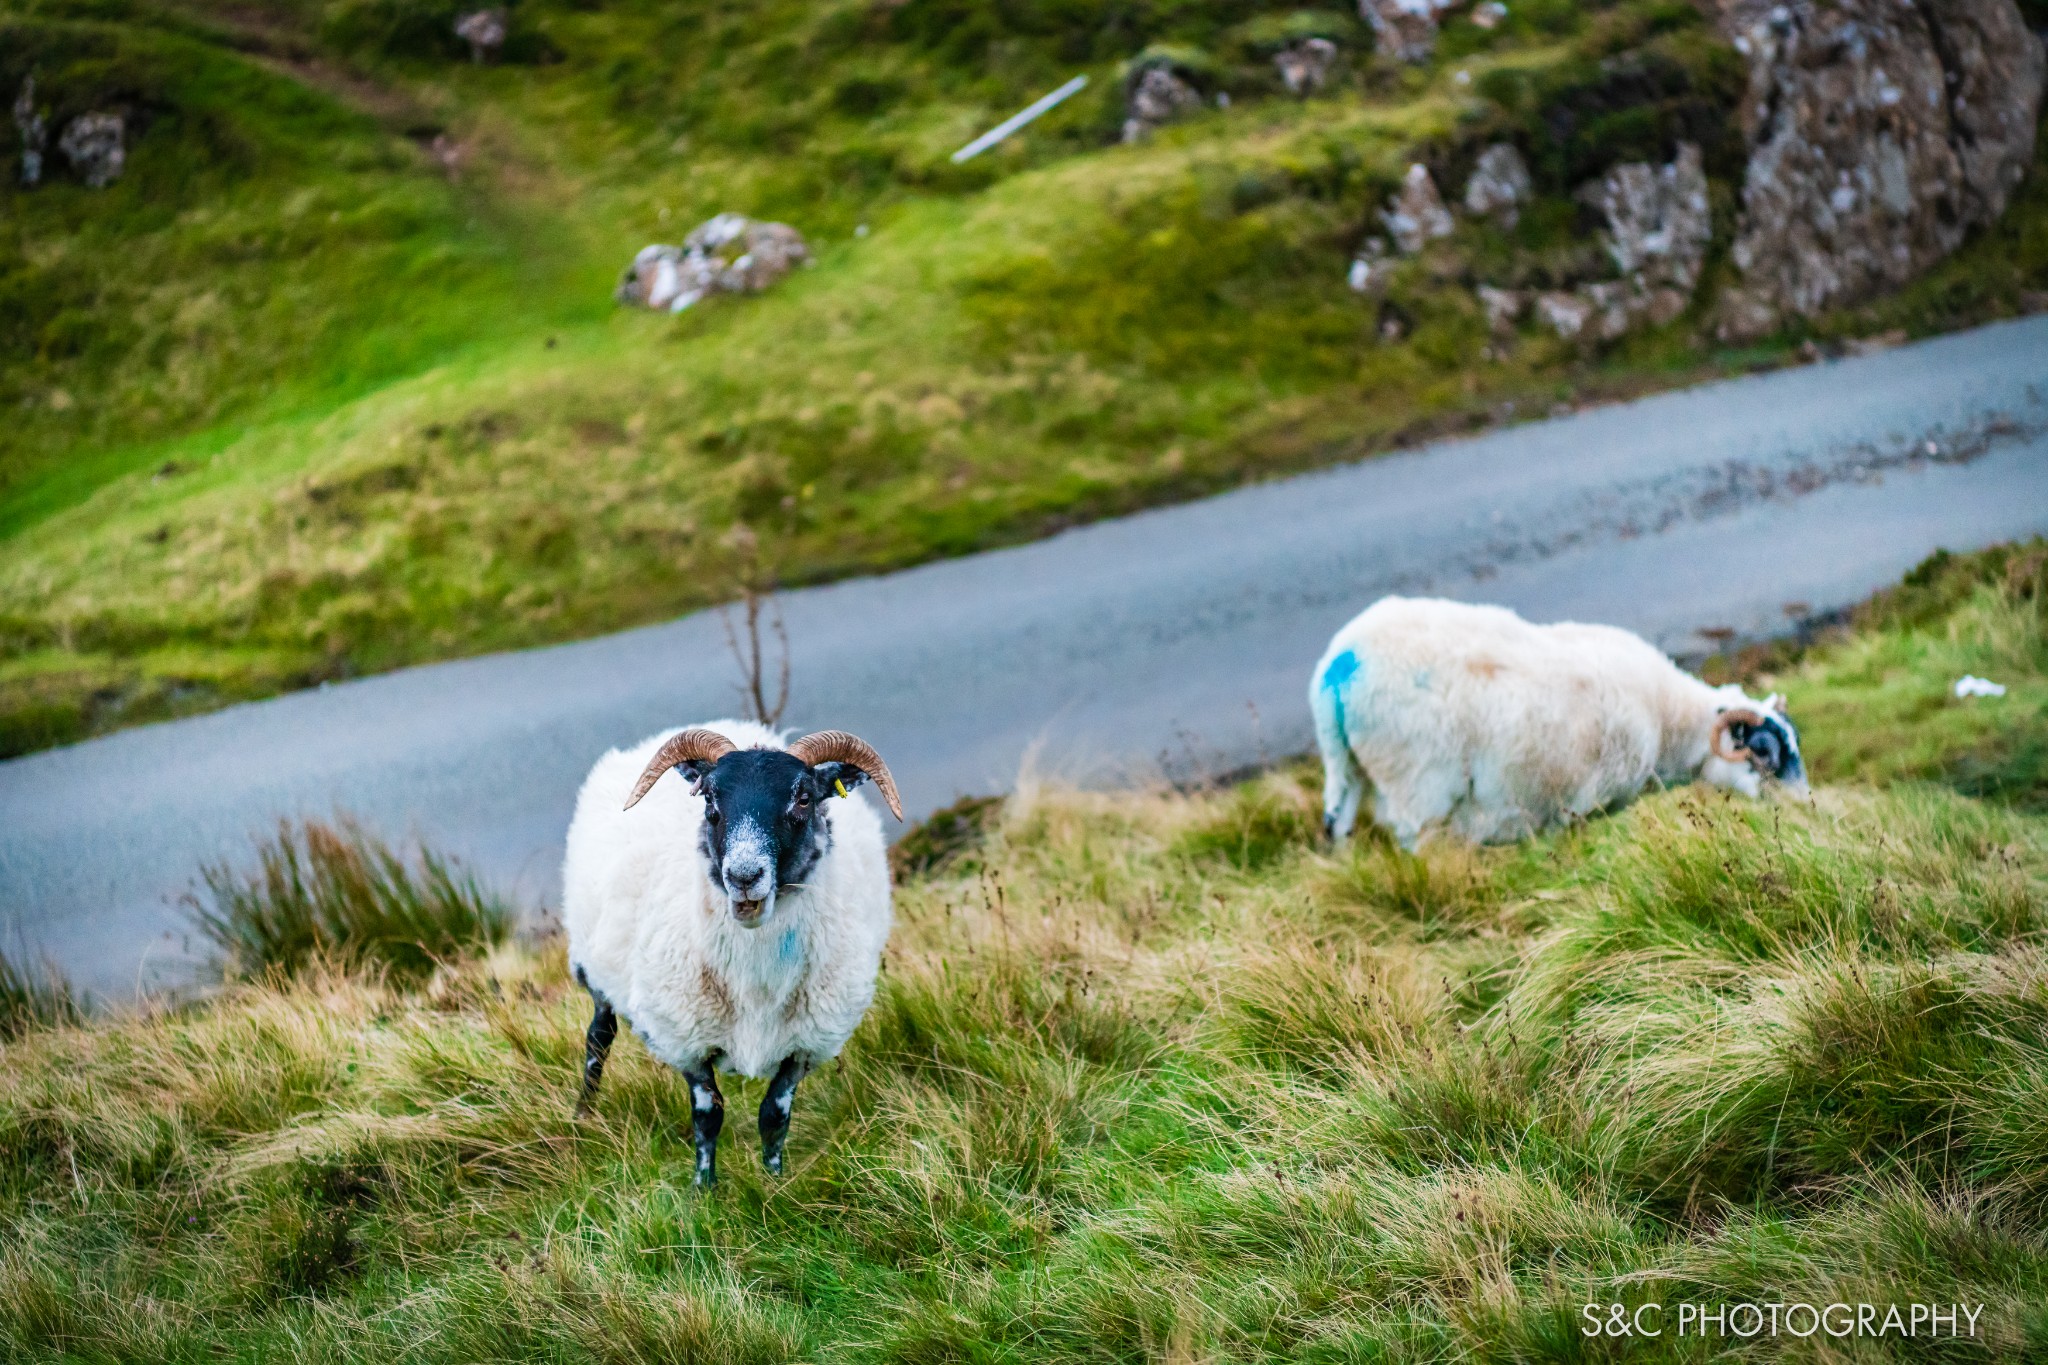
[
  {"x": 597, "y": 1045},
  {"x": 775, "y": 1107},
  {"x": 707, "y": 1116}
]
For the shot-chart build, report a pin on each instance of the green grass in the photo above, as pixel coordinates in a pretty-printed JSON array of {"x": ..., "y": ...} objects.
[
  {"x": 321, "y": 893},
  {"x": 33, "y": 997},
  {"x": 1155, "y": 1076},
  {"x": 337, "y": 412}
]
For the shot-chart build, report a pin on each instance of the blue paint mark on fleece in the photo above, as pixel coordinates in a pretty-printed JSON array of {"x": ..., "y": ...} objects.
[
  {"x": 786, "y": 950},
  {"x": 1341, "y": 670}
]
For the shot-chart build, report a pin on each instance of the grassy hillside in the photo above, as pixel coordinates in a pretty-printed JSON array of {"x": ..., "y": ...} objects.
[
  {"x": 303, "y": 396},
  {"x": 1156, "y": 1077}
]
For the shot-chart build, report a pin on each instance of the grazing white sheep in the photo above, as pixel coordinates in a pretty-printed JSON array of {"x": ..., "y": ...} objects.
[
  {"x": 1471, "y": 719},
  {"x": 736, "y": 916}
]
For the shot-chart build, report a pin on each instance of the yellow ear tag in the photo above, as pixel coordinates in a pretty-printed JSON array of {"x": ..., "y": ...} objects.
[{"x": 840, "y": 785}]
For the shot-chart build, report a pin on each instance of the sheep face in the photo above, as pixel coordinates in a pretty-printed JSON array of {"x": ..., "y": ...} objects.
[
  {"x": 1768, "y": 747},
  {"x": 761, "y": 832}
]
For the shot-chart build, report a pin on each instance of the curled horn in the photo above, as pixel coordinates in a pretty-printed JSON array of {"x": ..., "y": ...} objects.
[
  {"x": 836, "y": 746},
  {"x": 706, "y": 745},
  {"x": 1722, "y": 724}
]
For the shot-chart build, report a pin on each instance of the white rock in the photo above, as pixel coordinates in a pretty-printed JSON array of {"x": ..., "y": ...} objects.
[
  {"x": 1500, "y": 184},
  {"x": 1504, "y": 307},
  {"x": 728, "y": 254},
  {"x": 1566, "y": 313},
  {"x": 1416, "y": 214},
  {"x": 92, "y": 144},
  {"x": 1305, "y": 65}
]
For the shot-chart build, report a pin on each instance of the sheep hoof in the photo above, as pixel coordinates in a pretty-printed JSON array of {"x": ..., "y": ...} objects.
[{"x": 772, "y": 1164}]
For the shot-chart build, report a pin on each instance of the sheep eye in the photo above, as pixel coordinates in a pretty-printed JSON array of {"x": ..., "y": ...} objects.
[{"x": 802, "y": 799}]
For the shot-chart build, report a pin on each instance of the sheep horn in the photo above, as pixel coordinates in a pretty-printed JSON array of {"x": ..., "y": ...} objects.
[
  {"x": 1722, "y": 724},
  {"x": 703, "y": 745},
  {"x": 836, "y": 746}
]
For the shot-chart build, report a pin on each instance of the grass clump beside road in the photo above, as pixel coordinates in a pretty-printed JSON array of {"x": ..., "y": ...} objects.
[
  {"x": 357, "y": 396},
  {"x": 337, "y": 894},
  {"x": 1153, "y": 1076}
]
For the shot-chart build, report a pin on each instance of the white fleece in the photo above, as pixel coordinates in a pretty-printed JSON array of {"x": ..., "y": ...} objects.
[
  {"x": 1469, "y": 718},
  {"x": 654, "y": 934}
]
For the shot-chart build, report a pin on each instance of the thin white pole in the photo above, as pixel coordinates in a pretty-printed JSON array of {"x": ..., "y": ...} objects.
[{"x": 1018, "y": 120}]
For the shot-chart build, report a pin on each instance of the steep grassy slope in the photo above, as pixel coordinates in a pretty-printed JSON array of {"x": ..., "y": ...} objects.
[
  {"x": 294, "y": 403},
  {"x": 1155, "y": 1077}
]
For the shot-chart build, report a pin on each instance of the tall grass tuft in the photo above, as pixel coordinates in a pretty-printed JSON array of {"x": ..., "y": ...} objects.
[
  {"x": 33, "y": 998},
  {"x": 321, "y": 891}
]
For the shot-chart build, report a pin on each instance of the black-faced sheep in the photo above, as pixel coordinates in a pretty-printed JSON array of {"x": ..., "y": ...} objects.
[
  {"x": 1470, "y": 719},
  {"x": 736, "y": 919}
]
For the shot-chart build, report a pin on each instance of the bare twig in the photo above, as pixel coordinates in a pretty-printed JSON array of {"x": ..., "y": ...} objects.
[{"x": 756, "y": 589}]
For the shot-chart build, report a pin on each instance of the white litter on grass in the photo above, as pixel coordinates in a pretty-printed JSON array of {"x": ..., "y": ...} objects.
[
  {"x": 1970, "y": 685},
  {"x": 1018, "y": 120}
]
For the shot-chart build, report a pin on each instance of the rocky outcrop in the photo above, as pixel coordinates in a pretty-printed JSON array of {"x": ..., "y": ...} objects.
[
  {"x": 35, "y": 133},
  {"x": 1305, "y": 65},
  {"x": 1155, "y": 97},
  {"x": 729, "y": 254},
  {"x": 1658, "y": 227},
  {"x": 92, "y": 143},
  {"x": 1880, "y": 133},
  {"x": 1499, "y": 185},
  {"x": 1403, "y": 29},
  {"x": 1416, "y": 214}
]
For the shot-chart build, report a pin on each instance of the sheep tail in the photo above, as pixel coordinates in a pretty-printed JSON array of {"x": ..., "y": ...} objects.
[{"x": 1343, "y": 779}]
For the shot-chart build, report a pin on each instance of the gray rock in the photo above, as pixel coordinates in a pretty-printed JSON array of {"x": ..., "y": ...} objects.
[
  {"x": 1306, "y": 65},
  {"x": 1416, "y": 214},
  {"x": 1880, "y": 133},
  {"x": 1500, "y": 184},
  {"x": 1404, "y": 29},
  {"x": 1567, "y": 314},
  {"x": 1156, "y": 97},
  {"x": 92, "y": 144},
  {"x": 1611, "y": 307},
  {"x": 35, "y": 133},
  {"x": 1504, "y": 307},
  {"x": 484, "y": 30},
  {"x": 1658, "y": 222},
  {"x": 729, "y": 254}
]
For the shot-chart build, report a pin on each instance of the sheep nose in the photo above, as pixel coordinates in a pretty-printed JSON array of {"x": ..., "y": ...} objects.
[{"x": 748, "y": 882}]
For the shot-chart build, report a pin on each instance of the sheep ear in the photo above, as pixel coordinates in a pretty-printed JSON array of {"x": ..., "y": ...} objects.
[
  {"x": 839, "y": 778},
  {"x": 1775, "y": 702}
]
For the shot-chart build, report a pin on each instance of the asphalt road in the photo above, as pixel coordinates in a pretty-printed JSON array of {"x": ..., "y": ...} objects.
[{"x": 1165, "y": 644}]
